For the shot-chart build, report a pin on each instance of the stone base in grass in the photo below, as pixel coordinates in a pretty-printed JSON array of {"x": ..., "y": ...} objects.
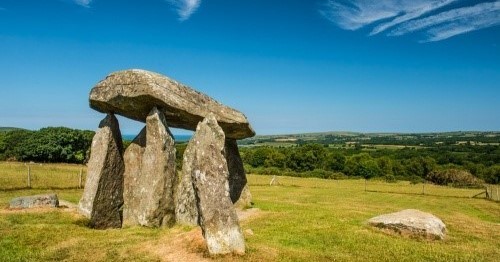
[{"x": 49, "y": 200}]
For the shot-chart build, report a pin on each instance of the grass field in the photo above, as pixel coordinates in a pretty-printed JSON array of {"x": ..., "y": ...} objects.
[
  {"x": 299, "y": 220},
  {"x": 14, "y": 175}
]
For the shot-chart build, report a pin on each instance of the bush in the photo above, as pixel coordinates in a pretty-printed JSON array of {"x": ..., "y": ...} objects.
[{"x": 454, "y": 177}]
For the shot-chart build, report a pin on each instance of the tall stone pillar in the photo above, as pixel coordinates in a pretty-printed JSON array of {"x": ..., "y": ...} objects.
[
  {"x": 209, "y": 174},
  {"x": 150, "y": 175},
  {"x": 238, "y": 189},
  {"x": 102, "y": 198}
]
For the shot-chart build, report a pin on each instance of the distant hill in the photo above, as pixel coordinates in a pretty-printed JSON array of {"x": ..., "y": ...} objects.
[
  {"x": 370, "y": 139},
  {"x": 7, "y": 129}
]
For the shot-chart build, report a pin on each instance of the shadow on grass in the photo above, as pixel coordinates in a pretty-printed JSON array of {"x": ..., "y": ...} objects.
[{"x": 83, "y": 222}]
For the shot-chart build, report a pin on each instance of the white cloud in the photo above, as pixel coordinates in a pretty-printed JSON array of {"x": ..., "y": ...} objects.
[
  {"x": 462, "y": 26},
  {"x": 185, "y": 8},
  {"x": 417, "y": 11},
  {"x": 410, "y": 15},
  {"x": 352, "y": 15},
  {"x": 484, "y": 13},
  {"x": 85, "y": 3}
]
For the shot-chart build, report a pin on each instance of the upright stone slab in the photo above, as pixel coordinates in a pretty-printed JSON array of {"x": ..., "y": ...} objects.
[
  {"x": 150, "y": 175},
  {"x": 133, "y": 161},
  {"x": 186, "y": 211},
  {"x": 217, "y": 216},
  {"x": 102, "y": 198},
  {"x": 237, "y": 177},
  {"x": 245, "y": 200}
]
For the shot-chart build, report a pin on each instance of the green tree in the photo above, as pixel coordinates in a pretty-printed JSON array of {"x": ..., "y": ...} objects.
[
  {"x": 420, "y": 166},
  {"x": 335, "y": 162},
  {"x": 362, "y": 165},
  {"x": 306, "y": 157}
]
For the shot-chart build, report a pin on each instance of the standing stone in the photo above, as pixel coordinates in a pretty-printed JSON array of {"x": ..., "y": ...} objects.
[
  {"x": 150, "y": 175},
  {"x": 186, "y": 211},
  {"x": 209, "y": 172},
  {"x": 131, "y": 196},
  {"x": 245, "y": 200},
  {"x": 237, "y": 177},
  {"x": 102, "y": 198}
]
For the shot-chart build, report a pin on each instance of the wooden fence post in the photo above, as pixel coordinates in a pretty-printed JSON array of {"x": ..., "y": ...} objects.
[
  {"x": 498, "y": 197},
  {"x": 29, "y": 176},
  {"x": 365, "y": 184},
  {"x": 80, "y": 179},
  {"x": 423, "y": 188}
]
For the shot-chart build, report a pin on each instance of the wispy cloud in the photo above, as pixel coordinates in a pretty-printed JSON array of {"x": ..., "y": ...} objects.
[
  {"x": 84, "y": 3},
  {"x": 419, "y": 10},
  {"x": 411, "y": 15},
  {"x": 185, "y": 8},
  {"x": 478, "y": 16},
  {"x": 352, "y": 15}
]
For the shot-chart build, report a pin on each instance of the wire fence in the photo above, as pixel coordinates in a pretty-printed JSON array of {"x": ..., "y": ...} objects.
[
  {"x": 380, "y": 186},
  {"x": 15, "y": 175},
  {"x": 404, "y": 187}
]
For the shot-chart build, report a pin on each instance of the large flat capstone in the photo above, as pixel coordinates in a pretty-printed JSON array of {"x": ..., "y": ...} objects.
[{"x": 133, "y": 93}]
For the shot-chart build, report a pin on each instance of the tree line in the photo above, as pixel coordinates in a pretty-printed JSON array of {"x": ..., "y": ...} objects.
[
  {"x": 442, "y": 165},
  {"x": 51, "y": 144}
]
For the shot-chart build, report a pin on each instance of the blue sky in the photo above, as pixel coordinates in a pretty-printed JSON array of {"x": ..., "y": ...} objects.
[{"x": 291, "y": 66}]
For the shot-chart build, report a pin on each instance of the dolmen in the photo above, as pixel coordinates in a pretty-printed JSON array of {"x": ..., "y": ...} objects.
[{"x": 139, "y": 186}]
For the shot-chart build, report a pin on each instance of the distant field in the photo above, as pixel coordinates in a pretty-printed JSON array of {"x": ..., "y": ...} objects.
[
  {"x": 299, "y": 220},
  {"x": 14, "y": 175}
]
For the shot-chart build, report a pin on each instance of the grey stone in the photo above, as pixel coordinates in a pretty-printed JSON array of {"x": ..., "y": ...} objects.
[
  {"x": 209, "y": 172},
  {"x": 133, "y": 162},
  {"x": 150, "y": 175},
  {"x": 132, "y": 93},
  {"x": 48, "y": 200},
  {"x": 102, "y": 198},
  {"x": 411, "y": 222},
  {"x": 186, "y": 211},
  {"x": 237, "y": 176},
  {"x": 245, "y": 199}
]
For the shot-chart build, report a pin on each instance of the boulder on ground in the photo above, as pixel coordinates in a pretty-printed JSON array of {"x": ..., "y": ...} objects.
[
  {"x": 149, "y": 175},
  {"x": 47, "y": 200},
  {"x": 411, "y": 222},
  {"x": 132, "y": 93},
  {"x": 102, "y": 198},
  {"x": 209, "y": 173}
]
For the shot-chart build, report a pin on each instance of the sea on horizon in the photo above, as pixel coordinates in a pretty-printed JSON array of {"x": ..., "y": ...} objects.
[{"x": 177, "y": 138}]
